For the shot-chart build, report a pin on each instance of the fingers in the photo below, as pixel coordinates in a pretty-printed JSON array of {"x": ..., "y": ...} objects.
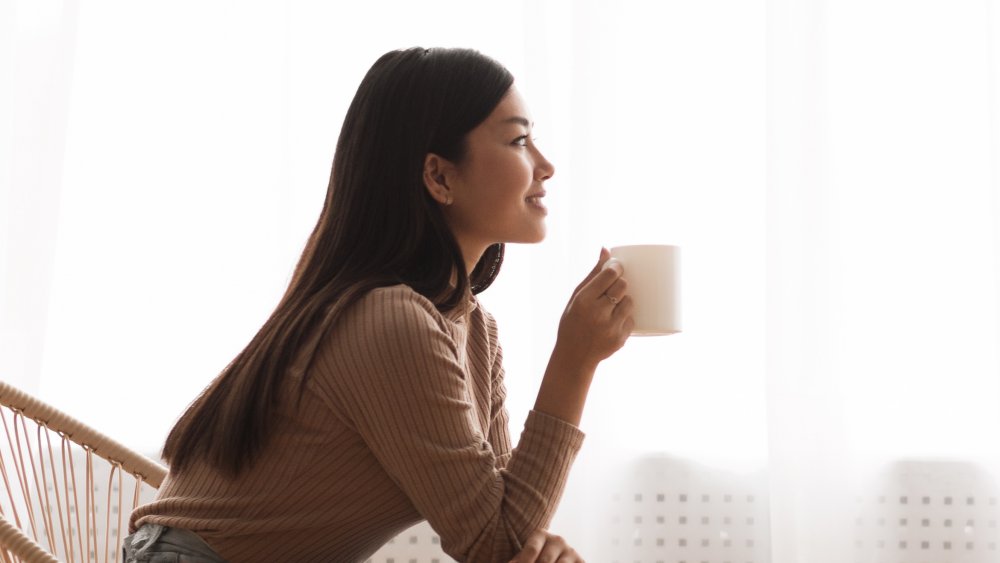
[
  {"x": 543, "y": 547},
  {"x": 623, "y": 314},
  {"x": 603, "y": 280},
  {"x": 532, "y": 547},
  {"x": 594, "y": 324},
  {"x": 624, "y": 309},
  {"x": 617, "y": 290},
  {"x": 605, "y": 255},
  {"x": 555, "y": 549}
]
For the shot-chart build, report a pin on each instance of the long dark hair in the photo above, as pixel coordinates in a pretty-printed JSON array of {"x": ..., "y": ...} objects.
[{"x": 379, "y": 226}]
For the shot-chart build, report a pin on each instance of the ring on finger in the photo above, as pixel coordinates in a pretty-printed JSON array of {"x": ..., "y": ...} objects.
[{"x": 614, "y": 300}]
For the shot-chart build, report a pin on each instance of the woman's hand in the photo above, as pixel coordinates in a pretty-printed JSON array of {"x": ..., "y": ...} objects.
[
  {"x": 598, "y": 319},
  {"x": 594, "y": 325},
  {"x": 543, "y": 547}
]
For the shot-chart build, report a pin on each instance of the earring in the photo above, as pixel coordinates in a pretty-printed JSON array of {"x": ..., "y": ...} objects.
[{"x": 447, "y": 199}]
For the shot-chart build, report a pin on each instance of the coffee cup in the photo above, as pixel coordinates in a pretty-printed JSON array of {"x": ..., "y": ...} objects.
[{"x": 653, "y": 275}]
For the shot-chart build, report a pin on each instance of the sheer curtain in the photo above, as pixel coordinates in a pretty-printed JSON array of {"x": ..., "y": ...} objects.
[
  {"x": 829, "y": 168},
  {"x": 883, "y": 283}
]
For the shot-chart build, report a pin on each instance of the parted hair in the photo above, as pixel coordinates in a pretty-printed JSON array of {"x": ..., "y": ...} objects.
[{"x": 379, "y": 226}]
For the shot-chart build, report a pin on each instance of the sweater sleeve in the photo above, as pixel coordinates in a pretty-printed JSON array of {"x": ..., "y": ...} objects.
[
  {"x": 403, "y": 387},
  {"x": 499, "y": 434}
]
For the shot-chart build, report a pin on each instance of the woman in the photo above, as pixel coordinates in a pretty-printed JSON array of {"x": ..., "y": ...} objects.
[{"x": 373, "y": 397}]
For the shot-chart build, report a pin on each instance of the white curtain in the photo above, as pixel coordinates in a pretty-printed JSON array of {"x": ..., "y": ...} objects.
[
  {"x": 883, "y": 285},
  {"x": 829, "y": 168}
]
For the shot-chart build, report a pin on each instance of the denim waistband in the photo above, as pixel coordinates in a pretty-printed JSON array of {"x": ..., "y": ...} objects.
[{"x": 154, "y": 543}]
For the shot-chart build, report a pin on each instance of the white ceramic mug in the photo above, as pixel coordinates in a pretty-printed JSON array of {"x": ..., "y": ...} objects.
[{"x": 653, "y": 275}]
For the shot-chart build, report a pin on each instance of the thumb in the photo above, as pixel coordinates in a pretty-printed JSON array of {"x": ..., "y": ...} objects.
[{"x": 605, "y": 255}]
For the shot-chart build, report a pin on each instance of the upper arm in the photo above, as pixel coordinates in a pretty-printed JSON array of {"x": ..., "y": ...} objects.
[
  {"x": 499, "y": 435},
  {"x": 396, "y": 373},
  {"x": 402, "y": 385}
]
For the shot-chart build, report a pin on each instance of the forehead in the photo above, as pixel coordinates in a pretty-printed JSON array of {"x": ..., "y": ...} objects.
[{"x": 512, "y": 105}]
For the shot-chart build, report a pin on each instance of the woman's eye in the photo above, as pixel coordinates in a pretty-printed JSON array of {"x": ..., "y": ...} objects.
[{"x": 523, "y": 140}]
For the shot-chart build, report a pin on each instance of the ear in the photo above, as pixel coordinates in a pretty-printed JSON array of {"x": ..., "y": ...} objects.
[{"x": 436, "y": 172}]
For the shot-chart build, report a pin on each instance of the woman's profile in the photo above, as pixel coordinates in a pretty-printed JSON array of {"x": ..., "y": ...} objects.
[{"x": 373, "y": 396}]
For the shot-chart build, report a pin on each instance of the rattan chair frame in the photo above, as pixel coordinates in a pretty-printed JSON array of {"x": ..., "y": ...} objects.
[{"x": 15, "y": 543}]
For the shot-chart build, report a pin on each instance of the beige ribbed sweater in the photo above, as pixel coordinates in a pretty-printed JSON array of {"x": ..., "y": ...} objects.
[{"x": 402, "y": 419}]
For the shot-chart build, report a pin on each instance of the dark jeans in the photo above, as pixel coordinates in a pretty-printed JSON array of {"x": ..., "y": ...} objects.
[{"x": 153, "y": 543}]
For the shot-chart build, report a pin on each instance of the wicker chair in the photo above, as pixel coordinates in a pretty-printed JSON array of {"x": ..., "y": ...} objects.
[{"x": 63, "y": 496}]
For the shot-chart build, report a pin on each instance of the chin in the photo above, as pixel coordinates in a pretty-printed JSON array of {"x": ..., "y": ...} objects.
[
  {"x": 535, "y": 237},
  {"x": 532, "y": 233},
  {"x": 540, "y": 235}
]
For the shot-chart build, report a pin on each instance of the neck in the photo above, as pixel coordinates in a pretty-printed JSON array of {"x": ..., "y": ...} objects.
[{"x": 472, "y": 253}]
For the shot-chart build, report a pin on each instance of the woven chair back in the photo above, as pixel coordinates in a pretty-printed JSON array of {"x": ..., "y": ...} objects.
[{"x": 67, "y": 490}]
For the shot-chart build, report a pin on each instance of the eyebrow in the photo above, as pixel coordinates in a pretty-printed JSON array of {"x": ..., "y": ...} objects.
[{"x": 519, "y": 120}]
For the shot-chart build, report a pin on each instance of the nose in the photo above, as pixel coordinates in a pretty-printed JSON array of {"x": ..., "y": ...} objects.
[{"x": 543, "y": 168}]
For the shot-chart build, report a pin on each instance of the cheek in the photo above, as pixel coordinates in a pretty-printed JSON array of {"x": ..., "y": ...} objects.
[
  {"x": 498, "y": 182},
  {"x": 513, "y": 175},
  {"x": 504, "y": 181}
]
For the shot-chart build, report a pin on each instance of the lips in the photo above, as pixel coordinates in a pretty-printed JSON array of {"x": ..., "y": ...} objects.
[{"x": 535, "y": 200}]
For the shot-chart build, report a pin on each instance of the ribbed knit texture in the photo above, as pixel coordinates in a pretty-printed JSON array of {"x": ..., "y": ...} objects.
[{"x": 402, "y": 419}]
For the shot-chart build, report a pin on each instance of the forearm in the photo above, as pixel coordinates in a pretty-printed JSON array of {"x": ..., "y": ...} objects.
[{"x": 564, "y": 388}]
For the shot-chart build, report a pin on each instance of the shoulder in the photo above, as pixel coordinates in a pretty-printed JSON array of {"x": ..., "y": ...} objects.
[
  {"x": 392, "y": 312},
  {"x": 488, "y": 321},
  {"x": 393, "y": 300},
  {"x": 387, "y": 330},
  {"x": 391, "y": 340}
]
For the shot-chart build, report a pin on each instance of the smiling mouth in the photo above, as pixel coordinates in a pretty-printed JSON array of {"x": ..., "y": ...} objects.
[{"x": 536, "y": 201}]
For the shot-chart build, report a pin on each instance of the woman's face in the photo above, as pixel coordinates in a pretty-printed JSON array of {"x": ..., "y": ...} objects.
[{"x": 497, "y": 189}]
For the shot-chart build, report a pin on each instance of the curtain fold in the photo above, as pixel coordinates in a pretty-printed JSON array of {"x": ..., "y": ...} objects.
[
  {"x": 806, "y": 410},
  {"x": 882, "y": 279},
  {"x": 40, "y": 40}
]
